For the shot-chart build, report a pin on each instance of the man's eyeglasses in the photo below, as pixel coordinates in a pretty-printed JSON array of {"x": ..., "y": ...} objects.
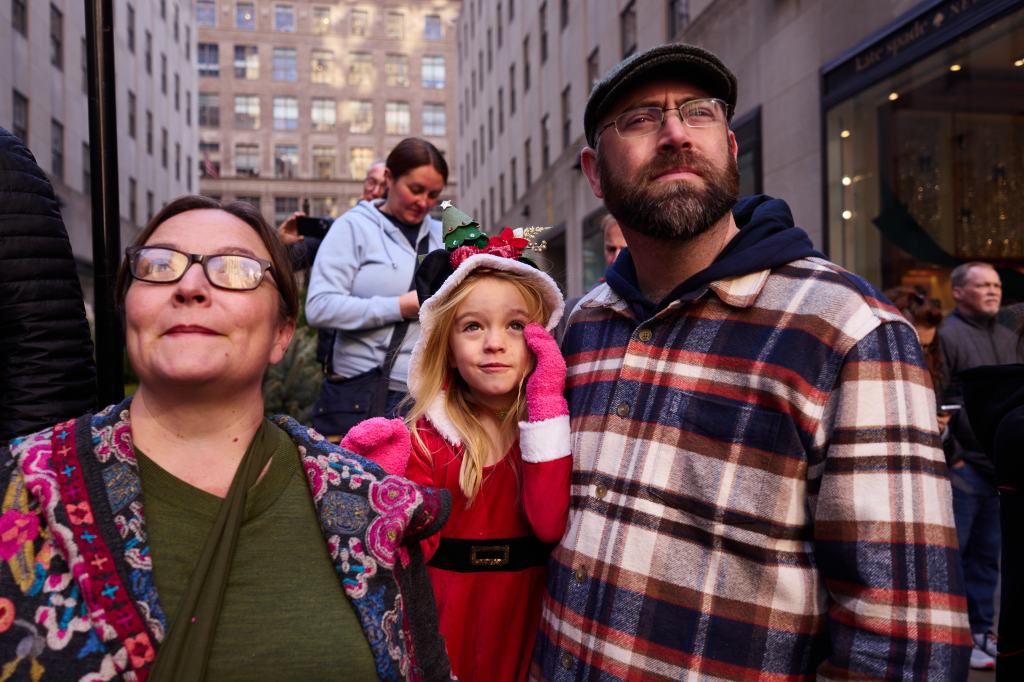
[
  {"x": 163, "y": 265},
  {"x": 697, "y": 113}
]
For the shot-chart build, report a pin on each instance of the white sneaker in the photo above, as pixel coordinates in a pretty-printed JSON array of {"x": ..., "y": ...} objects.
[
  {"x": 980, "y": 660},
  {"x": 986, "y": 642}
]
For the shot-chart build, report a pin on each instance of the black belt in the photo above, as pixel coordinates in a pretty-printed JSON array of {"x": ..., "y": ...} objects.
[{"x": 492, "y": 554}]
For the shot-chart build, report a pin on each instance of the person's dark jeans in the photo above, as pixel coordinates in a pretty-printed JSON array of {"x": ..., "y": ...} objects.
[{"x": 976, "y": 510}]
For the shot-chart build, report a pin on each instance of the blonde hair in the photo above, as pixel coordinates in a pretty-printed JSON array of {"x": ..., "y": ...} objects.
[{"x": 437, "y": 376}]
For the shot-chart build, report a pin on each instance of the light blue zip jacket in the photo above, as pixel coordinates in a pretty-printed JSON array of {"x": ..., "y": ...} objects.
[{"x": 364, "y": 264}]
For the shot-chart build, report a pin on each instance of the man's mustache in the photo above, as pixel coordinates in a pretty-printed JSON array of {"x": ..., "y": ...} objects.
[{"x": 668, "y": 161}]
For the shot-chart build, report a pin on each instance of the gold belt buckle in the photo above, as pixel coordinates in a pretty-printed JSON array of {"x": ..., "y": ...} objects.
[{"x": 476, "y": 552}]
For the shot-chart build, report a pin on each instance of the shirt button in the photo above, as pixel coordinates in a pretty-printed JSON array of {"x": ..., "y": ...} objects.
[
  {"x": 622, "y": 409},
  {"x": 581, "y": 575},
  {"x": 566, "y": 661},
  {"x": 645, "y": 335},
  {"x": 600, "y": 490}
]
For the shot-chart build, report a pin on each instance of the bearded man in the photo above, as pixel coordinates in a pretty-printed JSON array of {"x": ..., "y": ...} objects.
[{"x": 758, "y": 487}]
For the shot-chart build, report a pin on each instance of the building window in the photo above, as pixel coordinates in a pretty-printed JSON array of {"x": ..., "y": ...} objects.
[
  {"x": 209, "y": 159},
  {"x": 19, "y": 123},
  {"x": 497, "y": 21},
  {"x": 359, "y": 161},
  {"x": 396, "y": 70},
  {"x": 501, "y": 111},
  {"x": 284, "y": 18},
  {"x": 360, "y": 69},
  {"x": 432, "y": 67},
  {"x": 563, "y": 14},
  {"x": 481, "y": 138},
  {"x": 133, "y": 189},
  {"x": 323, "y": 114},
  {"x": 543, "y": 32},
  {"x": 490, "y": 51},
  {"x": 326, "y": 207},
  {"x": 148, "y": 57},
  {"x": 566, "y": 116},
  {"x": 360, "y": 116},
  {"x": 56, "y": 37},
  {"x": 150, "y": 203},
  {"x": 56, "y": 149},
  {"x": 593, "y": 64},
  {"x": 323, "y": 162},
  {"x": 321, "y": 20},
  {"x": 511, "y": 10},
  {"x": 163, "y": 73},
  {"x": 177, "y": 92},
  {"x": 130, "y": 28},
  {"x": 149, "y": 131},
  {"x": 284, "y": 207},
  {"x": 527, "y": 163},
  {"x": 188, "y": 174},
  {"x": 490, "y": 128},
  {"x": 188, "y": 108},
  {"x": 678, "y": 17},
  {"x": 177, "y": 162},
  {"x": 360, "y": 22},
  {"x": 164, "y": 148},
  {"x": 286, "y": 113},
  {"x": 247, "y": 159},
  {"x": 501, "y": 190},
  {"x": 286, "y": 161},
  {"x": 432, "y": 27},
  {"x": 512, "y": 90},
  {"x": 163, "y": 9},
  {"x": 396, "y": 118},
  {"x": 254, "y": 201},
  {"x": 175, "y": 24},
  {"x": 209, "y": 110},
  {"x": 188, "y": 43},
  {"x": 247, "y": 62},
  {"x": 86, "y": 169},
  {"x": 322, "y": 66},
  {"x": 245, "y": 15},
  {"x": 545, "y": 143},
  {"x": 131, "y": 114},
  {"x": 434, "y": 120},
  {"x": 526, "y": 64},
  {"x": 19, "y": 17},
  {"x": 627, "y": 29},
  {"x": 285, "y": 64},
  {"x": 514, "y": 178},
  {"x": 209, "y": 59},
  {"x": 394, "y": 25},
  {"x": 247, "y": 112},
  {"x": 206, "y": 13}
]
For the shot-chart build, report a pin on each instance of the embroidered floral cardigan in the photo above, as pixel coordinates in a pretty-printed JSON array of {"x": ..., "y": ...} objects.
[{"x": 77, "y": 598}]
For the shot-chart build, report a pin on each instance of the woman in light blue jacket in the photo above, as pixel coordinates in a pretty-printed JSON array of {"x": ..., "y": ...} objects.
[{"x": 360, "y": 284}]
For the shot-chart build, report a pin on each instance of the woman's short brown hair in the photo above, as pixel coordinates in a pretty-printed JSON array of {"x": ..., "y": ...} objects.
[
  {"x": 413, "y": 152},
  {"x": 249, "y": 215}
]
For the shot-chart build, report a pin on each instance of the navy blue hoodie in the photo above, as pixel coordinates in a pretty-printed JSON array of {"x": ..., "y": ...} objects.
[{"x": 767, "y": 239}]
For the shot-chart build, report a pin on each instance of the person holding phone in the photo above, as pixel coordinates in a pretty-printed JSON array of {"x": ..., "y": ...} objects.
[{"x": 361, "y": 288}]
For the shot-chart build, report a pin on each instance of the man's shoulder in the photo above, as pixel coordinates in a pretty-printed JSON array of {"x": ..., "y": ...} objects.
[{"x": 817, "y": 287}]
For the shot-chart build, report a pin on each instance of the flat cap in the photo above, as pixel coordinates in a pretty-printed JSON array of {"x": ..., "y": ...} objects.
[{"x": 675, "y": 60}]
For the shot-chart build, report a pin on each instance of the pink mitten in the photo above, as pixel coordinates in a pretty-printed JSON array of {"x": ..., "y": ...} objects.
[
  {"x": 546, "y": 385},
  {"x": 385, "y": 441}
]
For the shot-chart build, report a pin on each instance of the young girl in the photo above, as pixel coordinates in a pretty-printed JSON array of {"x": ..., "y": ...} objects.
[{"x": 489, "y": 424}]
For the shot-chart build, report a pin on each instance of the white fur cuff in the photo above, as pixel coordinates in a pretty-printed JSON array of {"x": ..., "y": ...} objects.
[{"x": 544, "y": 441}]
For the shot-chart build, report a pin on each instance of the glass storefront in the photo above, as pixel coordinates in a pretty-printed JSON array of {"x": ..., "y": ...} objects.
[{"x": 925, "y": 167}]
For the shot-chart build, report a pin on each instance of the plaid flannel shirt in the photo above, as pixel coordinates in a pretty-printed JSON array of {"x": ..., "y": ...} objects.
[{"x": 757, "y": 492}]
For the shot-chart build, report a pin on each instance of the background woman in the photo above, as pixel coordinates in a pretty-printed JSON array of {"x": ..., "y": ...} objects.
[
  {"x": 262, "y": 552},
  {"x": 361, "y": 283}
]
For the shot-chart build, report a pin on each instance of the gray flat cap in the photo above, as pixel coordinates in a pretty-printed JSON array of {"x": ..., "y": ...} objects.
[{"x": 679, "y": 61}]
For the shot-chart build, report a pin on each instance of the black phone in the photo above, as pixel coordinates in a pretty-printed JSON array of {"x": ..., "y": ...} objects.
[{"x": 313, "y": 227}]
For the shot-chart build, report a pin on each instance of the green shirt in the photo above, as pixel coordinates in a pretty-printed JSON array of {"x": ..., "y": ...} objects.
[{"x": 285, "y": 615}]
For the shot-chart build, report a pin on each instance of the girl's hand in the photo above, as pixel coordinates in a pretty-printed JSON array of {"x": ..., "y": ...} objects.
[
  {"x": 546, "y": 385},
  {"x": 385, "y": 441}
]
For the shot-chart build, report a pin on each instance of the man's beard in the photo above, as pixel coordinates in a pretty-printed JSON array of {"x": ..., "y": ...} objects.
[{"x": 675, "y": 210}]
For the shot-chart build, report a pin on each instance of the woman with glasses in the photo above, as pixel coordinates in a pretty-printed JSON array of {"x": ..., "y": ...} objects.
[
  {"x": 360, "y": 288},
  {"x": 182, "y": 535}
]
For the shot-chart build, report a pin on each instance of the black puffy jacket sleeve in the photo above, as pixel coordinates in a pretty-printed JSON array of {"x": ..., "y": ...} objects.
[{"x": 47, "y": 372}]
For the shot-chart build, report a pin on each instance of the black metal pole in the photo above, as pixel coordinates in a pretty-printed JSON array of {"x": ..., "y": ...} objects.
[{"x": 106, "y": 229}]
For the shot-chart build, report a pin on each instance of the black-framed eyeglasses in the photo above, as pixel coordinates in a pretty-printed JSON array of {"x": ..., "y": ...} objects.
[
  {"x": 697, "y": 113},
  {"x": 164, "y": 265}
]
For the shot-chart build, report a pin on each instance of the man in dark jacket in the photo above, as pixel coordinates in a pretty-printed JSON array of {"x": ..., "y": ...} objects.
[
  {"x": 971, "y": 337},
  {"x": 758, "y": 488},
  {"x": 47, "y": 372}
]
